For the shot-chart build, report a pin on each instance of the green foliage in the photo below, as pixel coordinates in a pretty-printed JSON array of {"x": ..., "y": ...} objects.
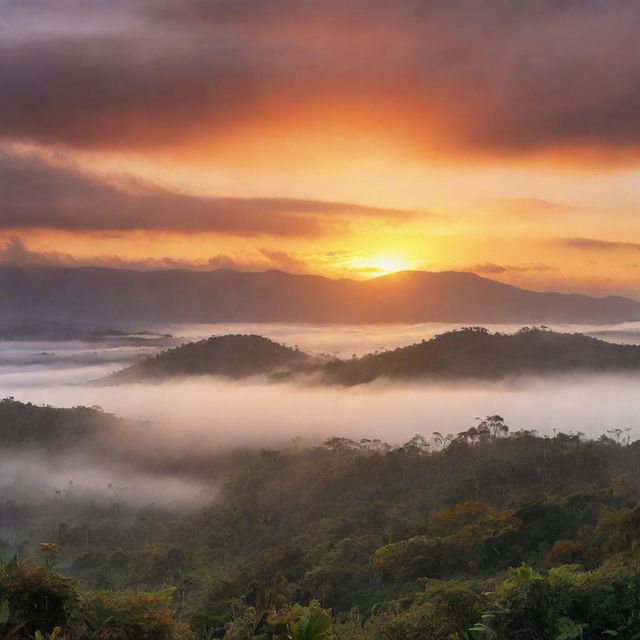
[
  {"x": 37, "y": 603},
  {"x": 490, "y": 533},
  {"x": 34, "y": 597},
  {"x": 301, "y": 623},
  {"x": 129, "y": 615}
]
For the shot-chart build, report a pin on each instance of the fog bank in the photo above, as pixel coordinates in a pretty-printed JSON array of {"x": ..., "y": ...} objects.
[
  {"x": 208, "y": 414},
  {"x": 169, "y": 460},
  {"x": 345, "y": 340}
]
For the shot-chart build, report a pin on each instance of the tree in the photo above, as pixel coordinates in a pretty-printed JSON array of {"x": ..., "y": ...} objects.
[
  {"x": 492, "y": 426},
  {"x": 302, "y": 623}
]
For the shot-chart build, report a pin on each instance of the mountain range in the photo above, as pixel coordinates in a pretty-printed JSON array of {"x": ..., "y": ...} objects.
[{"x": 107, "y": 297}]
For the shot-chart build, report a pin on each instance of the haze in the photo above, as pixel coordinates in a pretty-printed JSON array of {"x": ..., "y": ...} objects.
[{"x": 215, "y": 412}]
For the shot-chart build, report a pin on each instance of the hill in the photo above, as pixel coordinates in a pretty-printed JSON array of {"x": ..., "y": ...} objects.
[
  {"x": 512, "y": 534},
  {"x": 233, "y": 356},
  {"x": 469, "y": 353},
  {"x": 28, "y": 426},
  {"x": 475, "y": 353},
  {"x": 100, "y": 296}
]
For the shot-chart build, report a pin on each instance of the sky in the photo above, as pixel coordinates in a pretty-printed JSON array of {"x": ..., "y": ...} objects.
[{"x": 342, "y": 138}]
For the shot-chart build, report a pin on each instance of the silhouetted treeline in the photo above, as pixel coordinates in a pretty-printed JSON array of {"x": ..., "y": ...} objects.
[
  {"x": 469, "y": 353},
  {"x": 476, "y": 353},
  {"x": 30, "y": 426}
]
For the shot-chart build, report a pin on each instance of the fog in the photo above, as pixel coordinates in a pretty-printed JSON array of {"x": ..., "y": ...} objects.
[
  {"x": 166, "y": 460},
  {"x": 36, "y": 477},
  {"x": 208, "y": 414},
  {"x": 220, "y": 413},
  {"x": 345, "y": 340}
]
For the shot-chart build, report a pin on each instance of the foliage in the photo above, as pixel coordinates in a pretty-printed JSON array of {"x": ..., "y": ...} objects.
[
  {"x": 129, "y": 615},
  {"x": 37, "y": 603},
  {"x": 488, "y": 533},
  {"x": 34, "y": 597}
]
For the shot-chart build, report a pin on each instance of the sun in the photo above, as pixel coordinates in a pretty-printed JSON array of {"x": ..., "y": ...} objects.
[
  {"x": 384, "y": 265},
  {"x": 376, "y": 265}
]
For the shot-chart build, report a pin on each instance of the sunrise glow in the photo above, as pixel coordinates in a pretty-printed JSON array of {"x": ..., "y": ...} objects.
[
  {"x": 319, "y": 319},
  {"x": 337, "y": 142},
  {"x": 388, "y": 264}
]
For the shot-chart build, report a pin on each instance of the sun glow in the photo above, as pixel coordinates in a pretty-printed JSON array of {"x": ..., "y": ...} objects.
[{"x": 382, "y": 265}]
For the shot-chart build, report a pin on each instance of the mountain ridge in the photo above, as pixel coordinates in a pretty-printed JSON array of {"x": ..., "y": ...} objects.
[{"x": 126, "y": 297}]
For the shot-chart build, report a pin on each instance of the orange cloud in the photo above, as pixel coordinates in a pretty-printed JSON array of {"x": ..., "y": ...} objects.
[{"x": 419, "y": 77}]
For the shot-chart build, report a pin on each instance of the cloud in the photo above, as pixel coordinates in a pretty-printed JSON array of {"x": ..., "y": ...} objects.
[
  {"x": 492, "y": 78},
  {"x": 255, "y": 414},
  {"x": 16, "y": 254},
  {"x": 597, "y": 245},
  {"x": 492, "y": 268},
  {"x": 36, "y": 194},
  {"x": 532, "y": 207}
]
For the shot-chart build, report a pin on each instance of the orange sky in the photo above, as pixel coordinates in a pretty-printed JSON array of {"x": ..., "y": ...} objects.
[{"x": 346, "y": 139}]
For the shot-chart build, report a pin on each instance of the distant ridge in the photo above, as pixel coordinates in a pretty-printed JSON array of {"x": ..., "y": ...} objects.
[
  {"x": 472, "y": 353},
  {"x": 135, "y": 298}
]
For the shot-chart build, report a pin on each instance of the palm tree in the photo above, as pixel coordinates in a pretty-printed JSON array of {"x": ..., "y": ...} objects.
[{"x": 314, "y": 626}]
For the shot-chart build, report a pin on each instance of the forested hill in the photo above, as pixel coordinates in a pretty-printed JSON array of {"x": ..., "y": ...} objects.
[
  {"x": 511, "y": 534},
  {"x": 233, "y": 356},
  {"x": 470, "y": 353},
  {"x": 28, "y": 426},
  {"x": 475, "y": 353}
]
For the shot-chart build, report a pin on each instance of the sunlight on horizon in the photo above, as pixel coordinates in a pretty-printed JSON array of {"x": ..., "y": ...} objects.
[{"x": 380, "y": 265}]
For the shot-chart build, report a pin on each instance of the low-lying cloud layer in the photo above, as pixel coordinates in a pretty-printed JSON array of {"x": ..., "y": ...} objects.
[
  {"x": 199, "y": 417},
  {"x": 169, "y": 450}
]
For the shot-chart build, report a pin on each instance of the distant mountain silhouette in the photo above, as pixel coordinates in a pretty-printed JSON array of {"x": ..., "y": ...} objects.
[
  {"x": 233, "y": 356},
  {"x": 470, "y": 353},
  {"x": 475, "y": 353},
  {"x": 44, "y": 332},
  {"x": 111, "y": 297}
]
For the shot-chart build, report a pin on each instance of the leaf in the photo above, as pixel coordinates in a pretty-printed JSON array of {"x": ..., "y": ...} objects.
[{"x": 4, "y": 612}]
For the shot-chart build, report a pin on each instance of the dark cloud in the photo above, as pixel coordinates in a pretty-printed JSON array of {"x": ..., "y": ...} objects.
[
  {"x": 493, "y": 77},
  {"x": 120, "y": 91},
  {"x": 598, "y": 245},
  {"x": 35, "y": 194},
  {"x": 15, "y": 253}
]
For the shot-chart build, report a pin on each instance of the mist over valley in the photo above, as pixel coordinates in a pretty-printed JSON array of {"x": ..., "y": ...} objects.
[{"x": 319, "y": 320}]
